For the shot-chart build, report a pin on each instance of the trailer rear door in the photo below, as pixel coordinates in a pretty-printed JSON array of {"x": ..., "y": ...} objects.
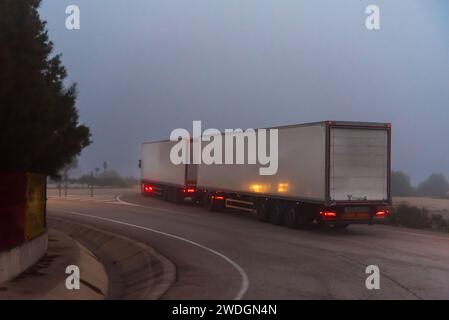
[{"x": 358, "y": 164}]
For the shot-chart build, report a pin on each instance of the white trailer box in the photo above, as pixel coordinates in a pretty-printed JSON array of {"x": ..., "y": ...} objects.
[
  {"x": 324, "y": 162},
  {"x": 156, "y": 166}
]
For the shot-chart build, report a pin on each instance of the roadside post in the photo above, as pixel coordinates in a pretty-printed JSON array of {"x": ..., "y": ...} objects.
[
  {"x": 65, "y": 183},
  {"x": 91, "y": 184}
]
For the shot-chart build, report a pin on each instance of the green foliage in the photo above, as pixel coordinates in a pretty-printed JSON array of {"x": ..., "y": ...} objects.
[
  {"x": 413, "y": 217},
  {"x": 436, "y": 185},
  {"x": 439, "y": 223},
  {"x": 38, "y": 119},
  {"x": 109, "y": 178},
  {"x": 418, "y": 218},
  {"x": 400, "y": 184}
]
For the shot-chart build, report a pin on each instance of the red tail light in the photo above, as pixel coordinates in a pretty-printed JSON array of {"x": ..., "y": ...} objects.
[
  {"x": 218, "y": 198},
  {"x": 328, "y": 215},
  {"x": 147, "y": 188},
  {"x": 382, "y": 213},
  {"x": 189, "y": 190}
]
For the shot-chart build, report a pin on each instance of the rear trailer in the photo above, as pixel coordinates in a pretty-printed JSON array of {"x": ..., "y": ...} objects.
[{"x": 330, "y": 172}]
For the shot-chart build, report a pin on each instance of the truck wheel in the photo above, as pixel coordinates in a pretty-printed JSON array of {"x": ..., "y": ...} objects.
[
  {"x": 263, "y": 211},
  {"x": 197, "y": 200},
  {"x": 176, "y": 197},
  {"x": 303, "y": 220},
  {"x": 166, "y": 194},
  {"x": 291, "y": 216},
  {"x": 276, "y": 216}
]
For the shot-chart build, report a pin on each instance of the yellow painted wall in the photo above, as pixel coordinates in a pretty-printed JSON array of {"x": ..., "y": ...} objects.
[{"x": 35, "y": 208}]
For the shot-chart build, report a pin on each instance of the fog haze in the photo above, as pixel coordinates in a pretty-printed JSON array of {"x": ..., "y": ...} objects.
[{"x": 146, "y": 67}]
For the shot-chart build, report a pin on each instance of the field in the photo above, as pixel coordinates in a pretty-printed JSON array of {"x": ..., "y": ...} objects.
[{"x": 434, "y": 205}]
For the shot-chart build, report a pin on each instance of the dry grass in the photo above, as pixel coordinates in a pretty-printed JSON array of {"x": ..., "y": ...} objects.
[{"x": 433, "y": 205}]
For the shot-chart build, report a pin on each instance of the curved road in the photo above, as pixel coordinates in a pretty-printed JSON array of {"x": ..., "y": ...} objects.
[{"x": 233, "y": 256}]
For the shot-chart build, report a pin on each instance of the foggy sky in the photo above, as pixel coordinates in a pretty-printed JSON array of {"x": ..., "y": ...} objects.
[{"x": 146, "y": 67}]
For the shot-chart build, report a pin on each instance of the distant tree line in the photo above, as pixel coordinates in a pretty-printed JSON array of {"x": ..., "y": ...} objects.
[
  {"x": 435, "y": 185},
  {"x": 108, "y": 178}
]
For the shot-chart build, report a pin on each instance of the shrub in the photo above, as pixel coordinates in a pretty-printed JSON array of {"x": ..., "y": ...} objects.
[
  {"x": 439, "y": 223},
  {"x": 409, "y": 216}
]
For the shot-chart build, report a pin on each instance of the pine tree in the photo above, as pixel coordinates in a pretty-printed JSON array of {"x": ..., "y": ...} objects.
[{"x": 39, "y": 129}]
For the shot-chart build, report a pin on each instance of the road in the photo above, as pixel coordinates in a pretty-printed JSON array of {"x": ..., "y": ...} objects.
[{"x": 233, "y": 256}]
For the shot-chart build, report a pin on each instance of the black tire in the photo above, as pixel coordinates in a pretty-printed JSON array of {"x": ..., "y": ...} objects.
[
  {"x": 197, "y": 200},
  {"x": 166, "y": 194},
  {"x": 276, "y": 214},
  {"x": 341, "y": 226},
  {"x": 291, "y": 216},
  {"x": 263, "y": 211},
  {"x": 177, "y": 197},
  {"x": 304, "y": 219}
]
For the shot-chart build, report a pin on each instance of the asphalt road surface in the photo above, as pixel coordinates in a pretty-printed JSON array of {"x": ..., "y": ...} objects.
[{"x": 234, "y": 256}]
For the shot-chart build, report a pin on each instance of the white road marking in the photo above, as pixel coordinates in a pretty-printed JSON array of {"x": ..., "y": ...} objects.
[
  {"x": 142, "y": 206},
  {"x": 84, "y": 199},
  {"x": 245, "y": 281}
]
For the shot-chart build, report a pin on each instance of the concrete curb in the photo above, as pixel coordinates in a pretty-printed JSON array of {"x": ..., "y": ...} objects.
[
  {"x": 135, "y": 270},
  {"x": 18, "y": 259},
  {"x": 46, "y": 279}
]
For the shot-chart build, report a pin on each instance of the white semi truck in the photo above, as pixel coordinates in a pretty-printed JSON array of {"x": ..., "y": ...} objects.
[{"x": 330, "y": 172}]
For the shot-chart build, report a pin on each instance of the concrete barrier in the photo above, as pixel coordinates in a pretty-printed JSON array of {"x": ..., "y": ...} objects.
[
  {"x": 135, "y": 270},
  {"x": 17, "y": 259}
]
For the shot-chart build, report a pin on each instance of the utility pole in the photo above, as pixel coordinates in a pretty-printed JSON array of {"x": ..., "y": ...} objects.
[
  {"x": 65, "y": 183},
  {"x": 91, "y": 184}
]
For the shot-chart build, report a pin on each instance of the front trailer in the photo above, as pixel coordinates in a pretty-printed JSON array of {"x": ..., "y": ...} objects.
[{"x": 160, "y": 177}]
